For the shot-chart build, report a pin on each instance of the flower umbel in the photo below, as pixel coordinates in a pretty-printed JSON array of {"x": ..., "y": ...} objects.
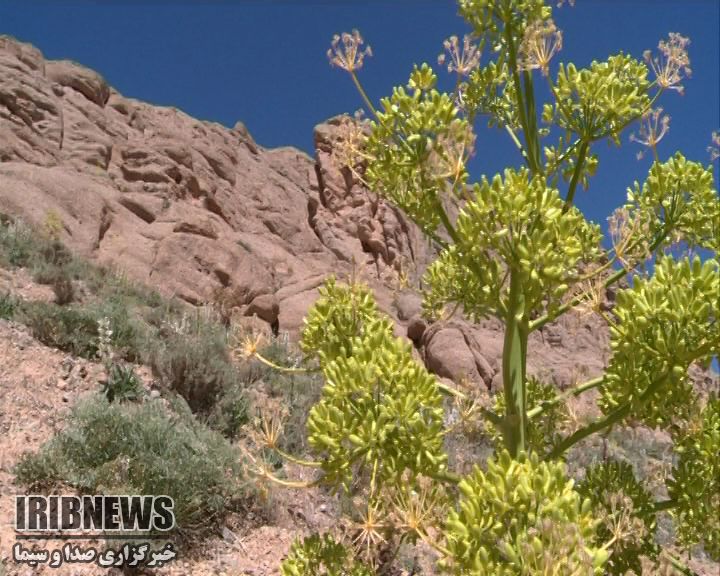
[
  {"x": 714, "y": 148},
  {"x": 462, "y": 60},
  {"x": 653, "y": 126},
  {"x": 454, "y": 149},
  {"x": 349, "y": 56},
  {"x": 368, "y": 531},
  {"x": 540, "y": 43},
  {"x": 672, "y": 62}
]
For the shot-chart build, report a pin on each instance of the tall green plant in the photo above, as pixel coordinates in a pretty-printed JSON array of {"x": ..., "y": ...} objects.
[{"x": 515, "y": 247}]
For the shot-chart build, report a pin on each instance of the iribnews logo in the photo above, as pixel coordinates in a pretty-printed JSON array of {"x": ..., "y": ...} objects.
[{"x": 125, "y": 513}]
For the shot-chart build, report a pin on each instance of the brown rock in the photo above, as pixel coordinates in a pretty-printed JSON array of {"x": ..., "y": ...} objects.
[
  {"x": 88, "y": 82},
  {"x": 204, "y": 228},
  {"x": 416, "y": 328},
  {"x": 447, "y": 355},
  {"x": 408, "y": 305},
  {"x": 265, "y": 307}
]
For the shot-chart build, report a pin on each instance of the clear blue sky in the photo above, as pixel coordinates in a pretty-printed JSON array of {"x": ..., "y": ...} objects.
[{"x": 264, "y": 63}]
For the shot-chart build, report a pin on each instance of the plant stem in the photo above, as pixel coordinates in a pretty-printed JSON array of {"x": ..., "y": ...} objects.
[
  {"x": 518, "y": 144},
  {"x": 684, "y": 570},
  {"x": 513, "y": 368},
  {"x": 512, "y": 62},
  {"x": 612, "y": 418},
  {"x": 270, "y": 363},
  {"x": 588, "y": 430},
  {"x": 574, "y": 391},
  {"x": 576, "y": 175},
  {"x": 533, "y": 138},
  {"x": 362, "y": 93},
  {"x": 298, "y": 461},
  {"x": 665, "y": 505}
]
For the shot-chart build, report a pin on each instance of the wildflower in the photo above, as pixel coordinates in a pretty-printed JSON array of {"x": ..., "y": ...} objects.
[
  {"x": 348, "y": 56},
  {"x": 540, "y": 43},
  {"x": 270, "y": 423},
  {"x": 714, "y": 148},
  {"x": 105, "y": 352},
  {"x": 464, "y": 60},
  {"x": 672, "y": 63},
  {"x": 369, "y": 531},
  {"x": 416, "y": 510},
  {"x": 453, "y": 150},
  {"x": 653, "y": 126},
  {"x": 250, "y": 346}
]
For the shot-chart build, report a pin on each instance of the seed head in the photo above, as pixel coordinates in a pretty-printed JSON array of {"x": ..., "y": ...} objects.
[
  {"x": 672, "y": 62},
  {"x": 653, "y": 126},
  {"x": 349, "y": 56},
  {"x": 462, "y": 60},
  {"x": 540, "y": 42}
]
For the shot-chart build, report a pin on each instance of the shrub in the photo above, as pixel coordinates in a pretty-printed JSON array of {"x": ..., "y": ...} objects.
[
  {"x": 17, "y": 243},
  {"x": 63, "y": 289},
  {"x": 142, "y": 448},
  {"x": 515, "y": 247},
  {"x": 229, "y": 412},
  {"x": 70, "y": 329},
  {"x": 74, "y": 329},
  {"x": 191, "y": 358}
]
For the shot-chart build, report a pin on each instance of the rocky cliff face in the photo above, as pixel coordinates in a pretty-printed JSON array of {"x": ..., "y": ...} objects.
[{"x": 204, "y": 212}]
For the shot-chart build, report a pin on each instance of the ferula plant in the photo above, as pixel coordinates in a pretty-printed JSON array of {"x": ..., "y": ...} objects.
[{"x": 515, "y": 247}]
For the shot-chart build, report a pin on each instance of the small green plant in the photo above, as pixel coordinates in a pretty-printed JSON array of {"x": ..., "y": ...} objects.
[
  {"x": 17, "y": 243},
  {"x": 73, "y": 328},
  {"x": 230, "y": 412},
  {"x": 129, "y": 448},
  {"x": 52, "y": 225},
  {"x": 122, "y": 384},
  {"x": 7, "y": 306}
]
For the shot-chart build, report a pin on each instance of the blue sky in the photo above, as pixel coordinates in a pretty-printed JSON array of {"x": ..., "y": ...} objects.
[{"x": 265, "y": 64}]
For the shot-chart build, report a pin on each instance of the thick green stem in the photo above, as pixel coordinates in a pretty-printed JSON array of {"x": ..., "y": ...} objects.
[
  {"x": 576, "y": 176},
  {"x": 533, "y": 161},
  {"x": 533, "y": 137},
  {"x": 513, "y": 368}
]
